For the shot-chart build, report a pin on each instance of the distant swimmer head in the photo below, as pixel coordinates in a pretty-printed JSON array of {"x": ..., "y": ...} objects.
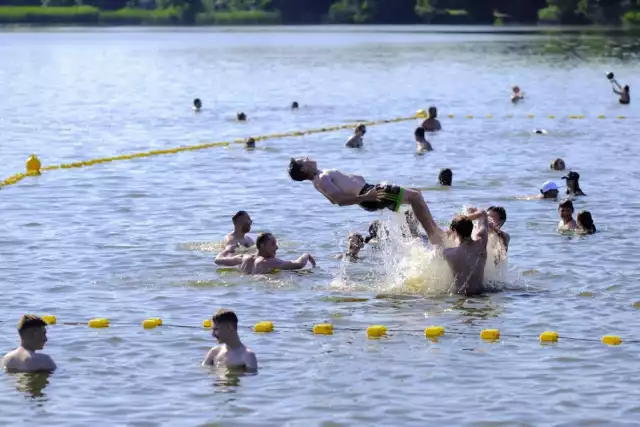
[
  {"x": 516, "y": 89},
  {"x": 558, "y": 164},
  {"x": 250, "y": 143},
  {"x": 626, "y": 88},
  {"x": 361, "y": 129},
  {"x": 224, "y": 326},
  {"x": 540, "y": 132},
  {"x": 462, "y": 226},
  {"x": 241, "y": 116},
  {"x": 242, "y": 221},
  {"x": 497, "y": 216},
  {"x": 33, "y": 332},
  {"x": 565, "y": 209},
  {"x": 585, "y": 222},
  {"x": 267, "y": 245},
  {"x": 573, "y": 183},
  {"x": 433, "y": 112},
  {"x": 419, "y": 133},
  {"x": 549, "y": 190},
  {"x": 197, "y": 104},
  {"x": 445, "y": 177},
  {"x": 294, "y": 105},
  {"x": 610, "y": 75},
  {"x": 302, "y": 169},
  {"x": 355, "y": 242}
]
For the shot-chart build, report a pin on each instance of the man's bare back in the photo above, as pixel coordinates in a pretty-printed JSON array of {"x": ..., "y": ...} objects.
[
  {"x": 467, "y": 263},
  {"x": 23, "y": 360}
]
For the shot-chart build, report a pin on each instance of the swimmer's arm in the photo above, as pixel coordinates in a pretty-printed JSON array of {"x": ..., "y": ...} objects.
[
  {"x": 438, "y": 125},
  {"x": 483, "y": 230},
  {"x": 335, "y": 196},
  {"x": 211, "y": 356},
  {"x": 353, "y": 142},
  {"x": 298, "y": 264},
  {"x": 228, "y": 258},
  {"x": 250, "y": 361}
]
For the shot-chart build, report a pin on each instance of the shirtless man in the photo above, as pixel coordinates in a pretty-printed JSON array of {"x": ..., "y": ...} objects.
[
  {"x": 422, "y": 145},
  {"x": 347, "y": 189},
  {"x": 264, "y": 261},
  {"x": 355, "y": 141},
  {"x": 567, "y": 223},
  {"x": 241, "y": 226},
  {"x": 497, "y": 218},
  {"x": 231, "y": 353},
  {"x": 431, "y": 123},
  {"x": 516, "y": 95},
  {"x": 33, "y": 336},
  {"x": 355, "y": 242},
  {"x": 468, "y": 259}
]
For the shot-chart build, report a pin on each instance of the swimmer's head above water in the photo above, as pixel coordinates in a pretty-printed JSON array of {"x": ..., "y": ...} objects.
[
  {"x": 241, "y": 116},
  {"x": 294, "y": 105},
  {"x": 433, "y": 112},
  {"x": 565, "y": 209},
  {"x": 573, "y": 184},
  {"x": 549, "y": 190},
  {"x": 462, "y": 226},
  {"x": 302, "y": 169},
  {"x": 355, "y": 242},
  {"x": 250, "y": 143},
  {"x": 242, "y": 221},
  {"x": 224, "y": 326},
  {"x": 197, "y": 104},
  {"x": 445, "y": 177},
  {"x": 33, "y": 332},
  {"x": 585, "y": 222},
  {"x": 558, "y": 164},
  {"x": 360, "y": 130},
  {"x": 497, "y": 216},
  {"x": 419, "y": 134},
  {"x": 267, "y": 245}
]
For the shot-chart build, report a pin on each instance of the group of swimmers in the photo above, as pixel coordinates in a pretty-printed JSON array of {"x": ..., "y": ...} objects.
[{"x": 230, "y": 353}]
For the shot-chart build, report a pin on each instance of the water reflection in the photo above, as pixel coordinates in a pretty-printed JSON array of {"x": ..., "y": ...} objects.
[
  {"x": 32, "y": 384},
  {"x": 228, "y": 379}
]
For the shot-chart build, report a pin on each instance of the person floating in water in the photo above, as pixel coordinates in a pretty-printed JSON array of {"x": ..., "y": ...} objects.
[
  {"x": 356, "y": 141},
  {"x": 548, "y": 191},
  {"x": 249, "y": 143},
  {"x": 422, "y": 145},
  {"x": 567, "y": 223},
  {"x": 264, "y": 261},
  {"x": 516, "y": 95},
  {"x": 573, "y": 184},
  {"x": 241, "y": 226},
  {"x": 347, "y": 189},
  {"x": 231, "y": 353},
  {"x": 585, "y": 223},
  {"x": 242, "y": 117},
  {"x": 445, "y": 177},
  {"x": 431, "y": 123},
  {"x": 294, "y": 105},
  {"x": 558, "y": 164},
  {"x": 355, "y": 243},
  {"x": 33, "y": 337},
  {"x": 468, "y": 258},
  {"x": 197, "y": 105}
]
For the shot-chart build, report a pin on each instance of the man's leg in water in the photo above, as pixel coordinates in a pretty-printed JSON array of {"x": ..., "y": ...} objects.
[{"x": 420, "y": 208}]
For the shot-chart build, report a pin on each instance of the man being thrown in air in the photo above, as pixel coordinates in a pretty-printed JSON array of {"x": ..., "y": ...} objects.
[{"x": 344, "y": 189}]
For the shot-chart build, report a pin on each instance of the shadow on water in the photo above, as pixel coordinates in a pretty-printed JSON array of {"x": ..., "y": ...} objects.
[
  {"x": 32, "y": 383},
  {"x": 227, "y": 379}
]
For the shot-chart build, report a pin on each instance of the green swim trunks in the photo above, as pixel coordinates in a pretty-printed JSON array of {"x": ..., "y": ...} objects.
[{"x": 392, "y": 200}]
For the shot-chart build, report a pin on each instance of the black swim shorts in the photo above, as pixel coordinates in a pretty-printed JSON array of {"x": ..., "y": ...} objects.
[{"x": 392, "y": 198}]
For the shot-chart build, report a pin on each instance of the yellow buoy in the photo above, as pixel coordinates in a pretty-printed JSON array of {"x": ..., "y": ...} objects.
[
  {"x": 49, "y": 319},
  {"x": 149, "y": 324},
  {"x": 208, "y": 324},
  {"x": 376, "y": 331},
  {"x": 434, "y": 331},
  {"x": 99, "y": 323},
  {"x": 33, "y": 165},
  {"x": 490, "y": 334},
  {"x": 611, "y": 340},
  {"x": 263, "y": 327},
  {"x": 421, "y": 114},
  {"x": 323, "y": 329},
  {"x": 552, "y": 116},
  {"x": 450, "y": 116},
  {"x": 549, "y": 336}
]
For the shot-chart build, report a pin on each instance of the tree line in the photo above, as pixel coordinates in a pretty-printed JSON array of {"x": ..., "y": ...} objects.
[{"x": 572, "y": 12}]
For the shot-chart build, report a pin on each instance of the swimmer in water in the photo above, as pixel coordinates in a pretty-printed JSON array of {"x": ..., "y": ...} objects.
[
  {"x": 431, "y": 123},
  {"x": 197, "y": 105},
  {"x": 355, "y": 243},
  {"x": 264, "y": 261},
  {"x": 347, "y": 189},
  {"x": 242, "y": 117},
  {"x": 249, "y": 143},
  {"x": 558, "y": 164},
  {"x": 585, "y": 223},
  {"x": 549, "y": 191},
  {"x": 516, "y": 95},
  {"x": 231, "y": 353},
  {"x": 33, "y": 337},
  {"x": 567, "y": 223},
  {"x": 445, "y": 177},
  {"x": 356, "y": 141},
  {"x": 468, "y": 258},
  {"x": 625, "y": 96},
  {"x": 294, "y": 105},
  {"x": 573, "y": 185},
  {"x": 497, "y": 218},
  {"x": 241, "y": 226},
  {"x": 422, "y": 145}
]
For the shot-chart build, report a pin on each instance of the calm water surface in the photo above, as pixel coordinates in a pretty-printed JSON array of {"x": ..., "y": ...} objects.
[{"x": 135, "y": 239}]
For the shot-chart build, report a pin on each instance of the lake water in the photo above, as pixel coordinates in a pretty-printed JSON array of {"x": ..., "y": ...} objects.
[{"x": 135, "y": 239}]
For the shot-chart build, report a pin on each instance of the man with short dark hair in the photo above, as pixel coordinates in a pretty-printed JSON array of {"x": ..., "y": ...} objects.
[
  {"x": 241, "y": 226},
  {"x": 431, "y": 123},
  {"x": 33, "y": 336},
  {"x": 422, "y": 145},
  {"x": 497, "y": 218},
  {"x": 573, "y": 184},
  {"x": 567, "y": 223},
  {"x": 445, "y": 177},
  {"x": 264, "y": 261},
  {"x": 231, "y": 353}
]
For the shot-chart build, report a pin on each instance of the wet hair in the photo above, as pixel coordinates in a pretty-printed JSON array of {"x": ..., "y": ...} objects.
[
  {"x": 359, "y": 238},
  {"x": 196, "y": 102},
  {"x": 627, "y": 88},
  {"x": 566, "y": 204},
  {"x": 462, "y": 225},
  {"x": 445, "y": 177},
  {"x": 250, "y": 143},
  {"x": 433, "y": 112},
  {"x": 419, "y": 132},
  {"x": 585, "y": 221},
  {"x": 555, "y": 162},
  {"x": 502, "y": 214},
  {"x": 238, "y": 215},
  {"x": 361, "y": 128},
  {"x": 241, "y": 116},
  {"x": 294, "y": 105},
  {"x": 29, "y": 321},
  {"x": 262, "y": 239},
  {"x": 295, "y": 171},
  {"x": 225, "y": 316}
]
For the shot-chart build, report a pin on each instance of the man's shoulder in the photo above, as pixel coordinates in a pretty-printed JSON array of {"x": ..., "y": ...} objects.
[{"x": 8, "y": 359}]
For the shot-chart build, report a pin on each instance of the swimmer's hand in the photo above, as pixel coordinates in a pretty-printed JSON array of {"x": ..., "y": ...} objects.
[
  {"x": 311, "y": 260},
  {"x": 373, "y": 195}
]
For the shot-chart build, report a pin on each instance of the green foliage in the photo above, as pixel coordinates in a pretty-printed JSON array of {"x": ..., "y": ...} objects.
[
  {"x": 549, "y": 14},
  {"x": 239, "y": 17},
  {"x": 631, "y": 18},
  {"x": 48, "y": 15},
  {"x": 128, "y": 16}
]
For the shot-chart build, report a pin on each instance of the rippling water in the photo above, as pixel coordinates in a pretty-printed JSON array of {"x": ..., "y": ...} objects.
[{"x": 135, "y": 239}]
